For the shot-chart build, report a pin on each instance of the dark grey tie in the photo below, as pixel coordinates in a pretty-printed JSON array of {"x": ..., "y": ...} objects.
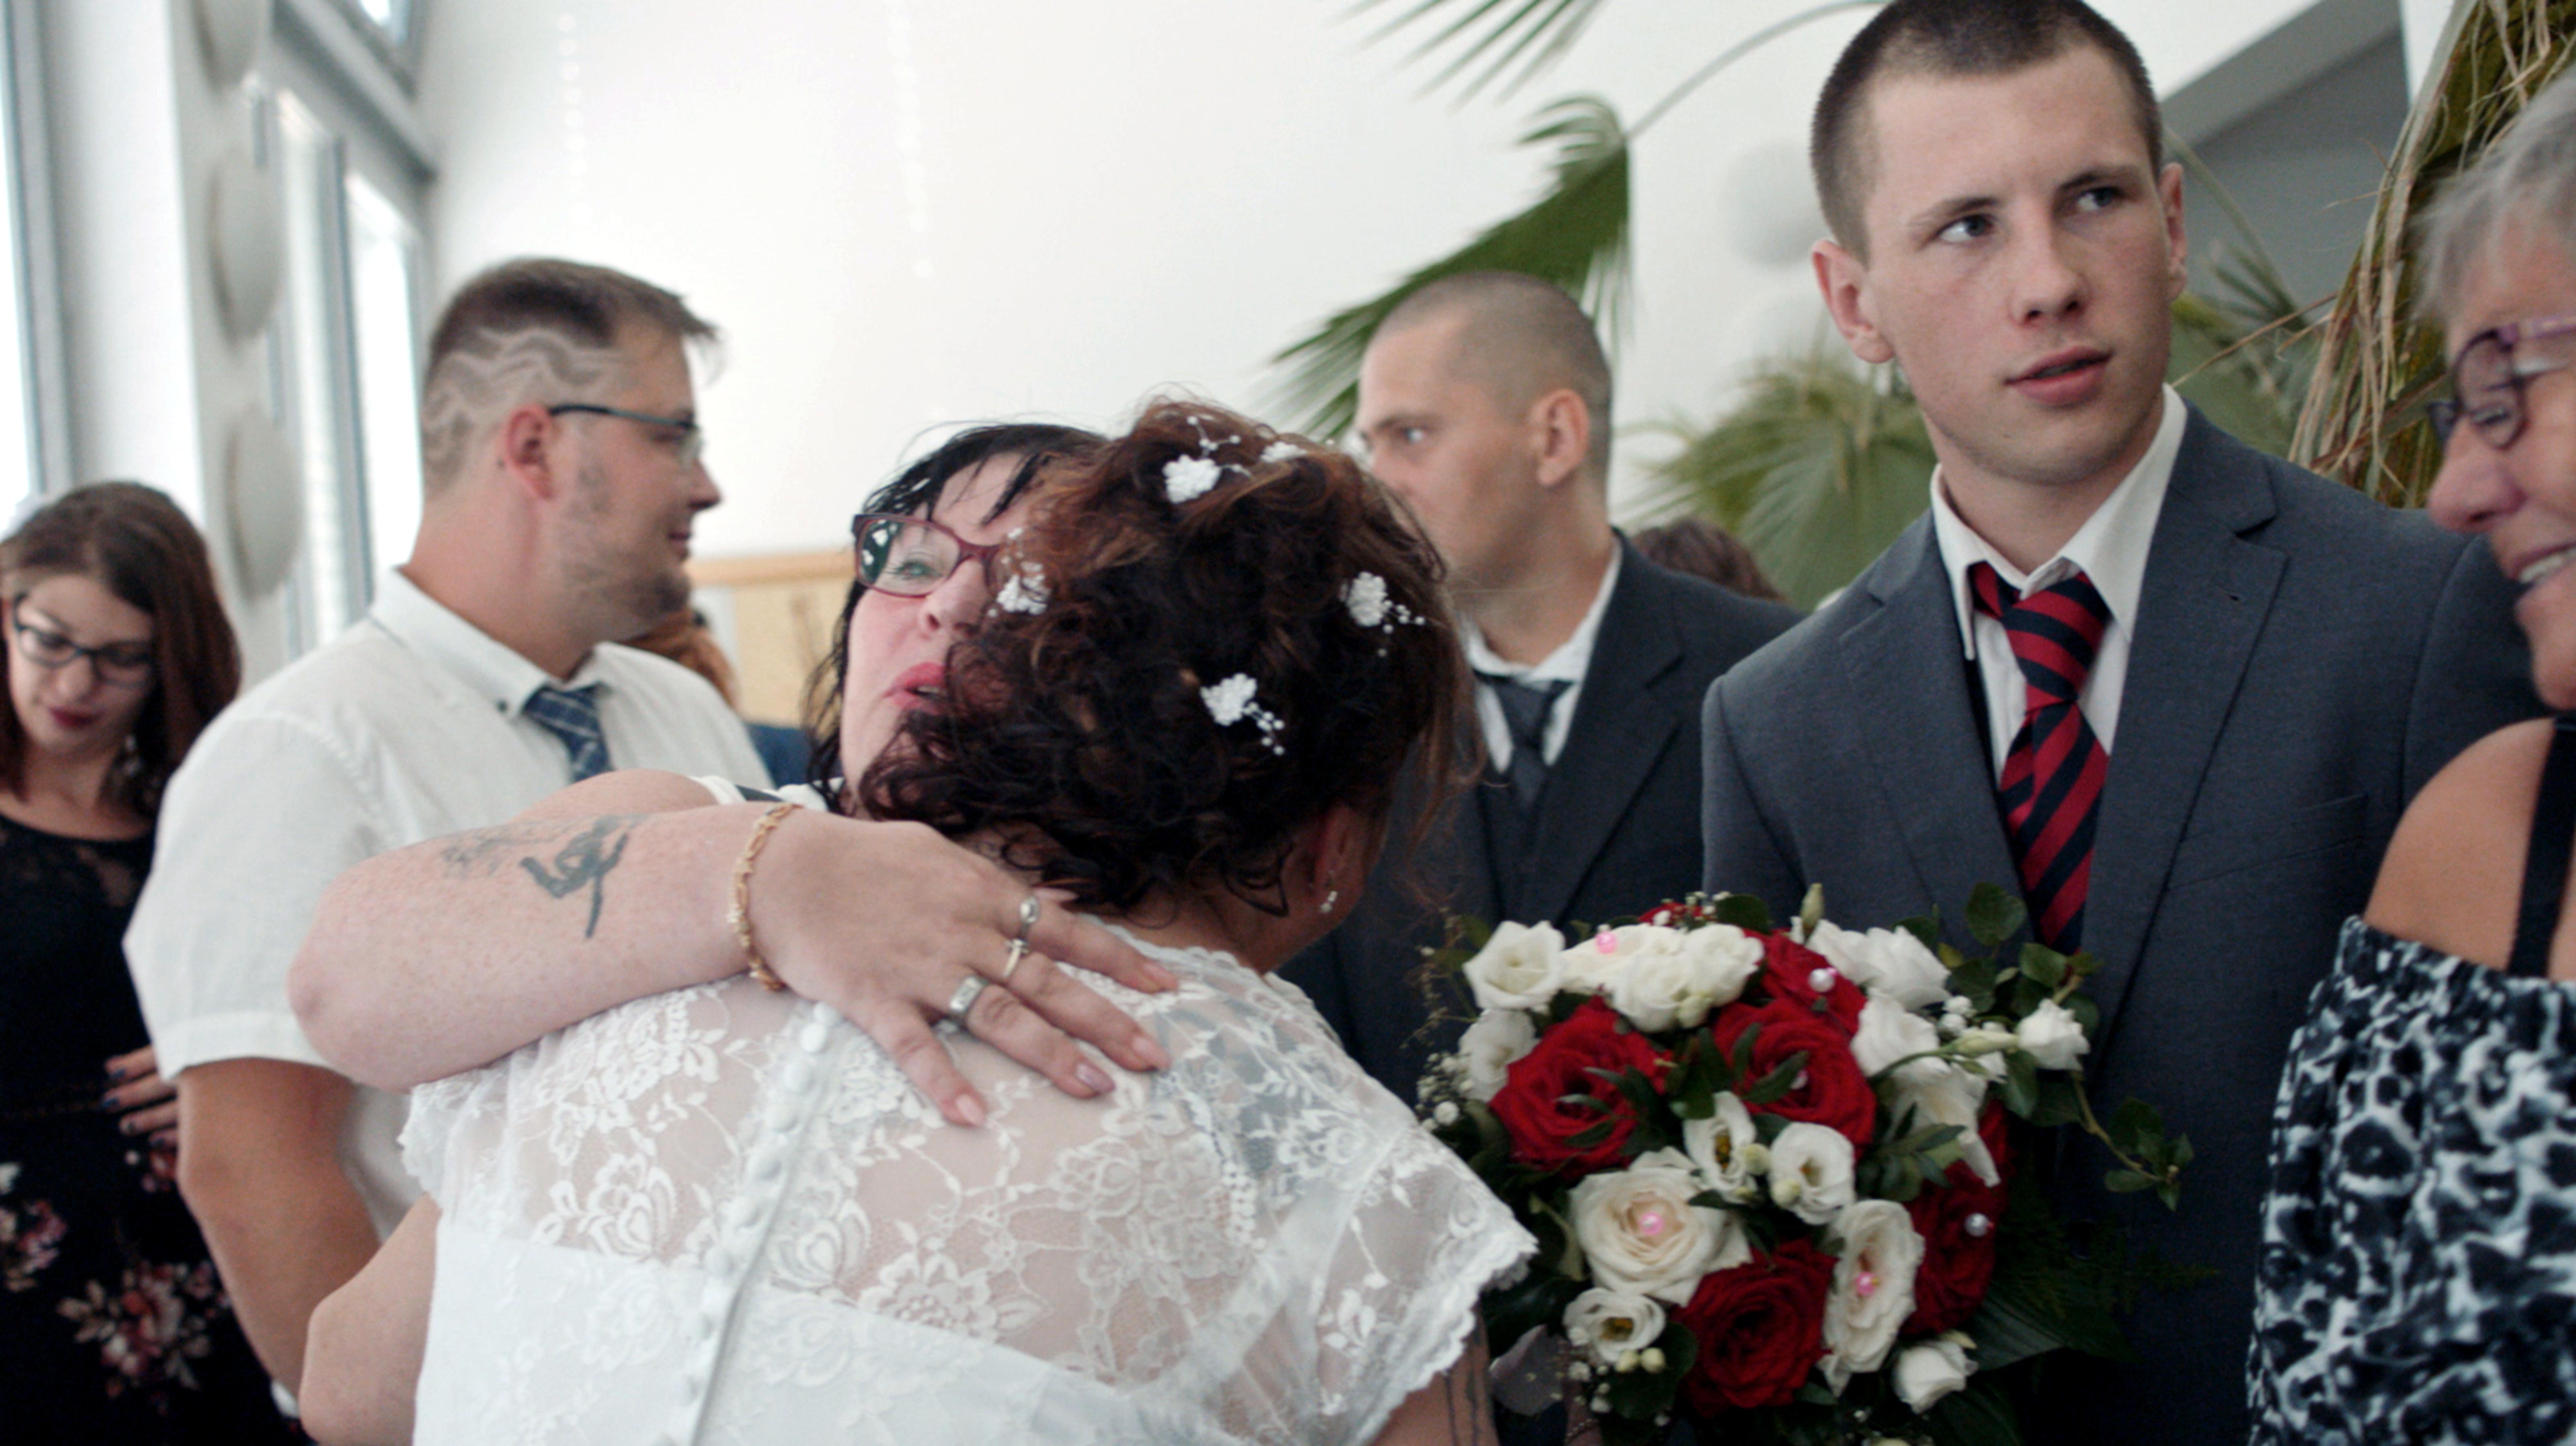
[
  {"x": 1525, "y": 710},
  {"x": 572, "y": 715}
]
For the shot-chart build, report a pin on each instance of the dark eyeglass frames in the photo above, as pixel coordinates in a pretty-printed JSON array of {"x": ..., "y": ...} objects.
[
  {"x": 2487, "y": 381},
  {"x": 912, "y": 556},
  {"x": 691, "y": 446},
  {"x": 122, "y": 665}
]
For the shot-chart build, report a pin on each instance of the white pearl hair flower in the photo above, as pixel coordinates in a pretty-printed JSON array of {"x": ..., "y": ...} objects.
[
  {"x": 1023, "y": 592},
  {"x": 1365, "y": 595},
  {"x": 1281, "y": 452},
  {"x": 1234, "y": 699},
  {"x": 1186, "y": 479}
]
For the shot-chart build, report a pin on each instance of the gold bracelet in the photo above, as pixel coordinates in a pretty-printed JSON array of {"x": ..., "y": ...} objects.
[{"x": 741, "y": 915}]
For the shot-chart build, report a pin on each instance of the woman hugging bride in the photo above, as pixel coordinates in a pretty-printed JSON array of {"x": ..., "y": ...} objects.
[{"x": 1171, "y": 678}]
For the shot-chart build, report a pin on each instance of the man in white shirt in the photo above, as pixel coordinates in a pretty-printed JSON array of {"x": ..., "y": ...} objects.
[
  {"x": 1485, "y": 403},
  {"x": 563, "y": 470},
  {"x": 2199, "y": 684}
]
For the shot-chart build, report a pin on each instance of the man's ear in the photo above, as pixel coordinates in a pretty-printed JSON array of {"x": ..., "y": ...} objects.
[
  {"x": 1844, "y": 279},
  {"x": 1561, "y": 430},
  {"x": 530, "y": 448},
  {"x": 2169, "y": 191}
]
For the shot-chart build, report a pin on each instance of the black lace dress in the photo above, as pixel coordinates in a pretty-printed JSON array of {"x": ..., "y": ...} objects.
[
  {"x": 113, "y": 1327},
  {"x": 2417, "y": 1281}
]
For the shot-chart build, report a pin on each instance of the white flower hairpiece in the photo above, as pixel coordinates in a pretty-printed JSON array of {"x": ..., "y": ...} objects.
[
  {"x": 1186, "y": 479},
  {"x": 1365, "y": 595},
  {"x": 1024, "y": 591},
  {"x": 1234, "y": 699},
  {"x": 1281, "y": 452}
]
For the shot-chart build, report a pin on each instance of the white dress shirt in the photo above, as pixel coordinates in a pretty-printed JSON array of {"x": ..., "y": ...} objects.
[
  {"x": 405, "y": 727},
  {"x": 1571, "y": 660},
  {"x": 2110, "y": 549}
]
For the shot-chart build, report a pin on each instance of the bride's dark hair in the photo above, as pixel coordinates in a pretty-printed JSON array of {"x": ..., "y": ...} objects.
[{"x": 1172, "y": 683}]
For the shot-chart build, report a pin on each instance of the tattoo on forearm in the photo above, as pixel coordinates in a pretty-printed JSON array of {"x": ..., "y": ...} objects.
[
  {"x": 487, "y": 851},
  {"x": 584, "y": 862}
]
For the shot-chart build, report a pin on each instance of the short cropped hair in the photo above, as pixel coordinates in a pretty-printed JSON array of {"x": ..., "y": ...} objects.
[
  {"x": 2525, "y": 180},
  {"x": 1523, "y": 338},
  {"x": 136, "y": 543},
  {"x": 538, "y": 329},
  {"x": 1953, "y": 38}
]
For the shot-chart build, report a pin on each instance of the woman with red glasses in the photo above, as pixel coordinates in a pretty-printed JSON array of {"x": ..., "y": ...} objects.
[
  {"x": 2418, "y": 1274},
  {"x": 113, "y": 1325}
]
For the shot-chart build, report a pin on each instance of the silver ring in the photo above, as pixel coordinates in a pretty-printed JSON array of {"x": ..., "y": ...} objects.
[
  {"x": 1028, "y": 917},
  {"x": 1019, "y": 950},
  {"x": 969, "y": 990}
]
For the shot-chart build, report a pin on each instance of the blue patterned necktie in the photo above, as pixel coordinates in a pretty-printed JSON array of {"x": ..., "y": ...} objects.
[
  {"x": 1525, "y": 710},
  {"x": 572, "y": 715}
]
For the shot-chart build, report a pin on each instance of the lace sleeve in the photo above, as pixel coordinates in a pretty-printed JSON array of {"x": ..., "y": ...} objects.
[
  {"x": 1425, "y": 1239},
  {"x": 435, "y": 1109}
]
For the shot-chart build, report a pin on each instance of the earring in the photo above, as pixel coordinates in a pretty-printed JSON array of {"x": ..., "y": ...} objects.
[{"x": 1331, "y": 897}]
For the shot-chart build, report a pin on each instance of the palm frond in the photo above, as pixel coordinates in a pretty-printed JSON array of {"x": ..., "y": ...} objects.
[
  {"x": 1817, "y": 468},
  {"x": 1575, "y": 235},
  {"x": 1529, "y": 34},
  {"x": 2377, "y": 365}
]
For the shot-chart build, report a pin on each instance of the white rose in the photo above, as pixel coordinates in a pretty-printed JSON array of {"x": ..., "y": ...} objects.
[
  {"x": 1885, "y": 961},
  {"x": 2051, "y": 1037},
  {"x": 1944, "y": 1094},
  {"x": 1811, "y": 1171},
  {"x": 1517, "y": 968},
  {"x": 1726, "y": 1148},
  {"x": 1873, "y": 1290},
  {"x": 1607, "y": 1322},
  {"x": 1671, "y": 979},
  {"x": 1641, "y": 1234},
  {"x": 1598, "y": 964},
  {"x": 1889, "y": 1032},
  {"x": 1488, "y": 1049},
  {"x": 1927, "y": 1372}
]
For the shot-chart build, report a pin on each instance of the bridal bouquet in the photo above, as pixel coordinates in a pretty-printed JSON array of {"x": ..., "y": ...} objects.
[{"x": 1770, "y": 1172}]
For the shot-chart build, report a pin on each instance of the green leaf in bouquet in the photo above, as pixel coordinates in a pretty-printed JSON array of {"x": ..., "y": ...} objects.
[
  {"x": 2021, "y": 1084},
  {"x": 2127, "y": 1182},
  {"x": 2135, "y": 1127},
  {"x": 2086, "y": 1012},
  {"x": 1698, "y": 1074},
  {"x": 1981, "y": 1414},
  {"x": 1643, "y": 1394},
  {"x": 2044, "y": 964},
  {"x": 1744, "y": 911},
  {"x": 1591, "y": 1135},
  {"x": 1740, "y": 1059},
  {"x": 1539, "y": 1299},
  {"x": 1927, "y": 927},
  {"x": 1994, "y": 915},
  {"x": 2021, "y": 995},
  {"x": 1772, "y": 1087},
  {"x": 2083, "y": 965},
  {"x": 1975, "y": 979}
]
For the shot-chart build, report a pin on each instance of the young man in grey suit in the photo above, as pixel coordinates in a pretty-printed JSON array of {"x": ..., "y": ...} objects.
[
  {"x": 1485, "y": 402},
  {"x": 2177, "y": 691}
]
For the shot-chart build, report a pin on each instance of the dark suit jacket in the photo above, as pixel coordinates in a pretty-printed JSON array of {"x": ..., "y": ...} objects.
[
  {"x": 1617, "y": 828},
  {"x": 2304, "y": 660}
]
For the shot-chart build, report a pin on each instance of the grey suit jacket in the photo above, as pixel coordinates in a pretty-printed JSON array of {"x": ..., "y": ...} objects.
[
  {"x": 1616, "y": 830},
  {"x": 2304, "y": 660}
]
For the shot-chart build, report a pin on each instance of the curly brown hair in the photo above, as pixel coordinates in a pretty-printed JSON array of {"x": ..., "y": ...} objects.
[{"x": 1082, "y": 735}]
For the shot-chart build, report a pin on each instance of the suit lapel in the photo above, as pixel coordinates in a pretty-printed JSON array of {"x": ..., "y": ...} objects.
[
  {"x": 1621, "y": 728},
  {"x": 2203, "y": 603},
  {"x": 1907, "y": 684}
]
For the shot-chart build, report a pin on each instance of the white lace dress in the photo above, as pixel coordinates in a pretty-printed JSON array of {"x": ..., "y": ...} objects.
[{"x": 722, "y": 1215}]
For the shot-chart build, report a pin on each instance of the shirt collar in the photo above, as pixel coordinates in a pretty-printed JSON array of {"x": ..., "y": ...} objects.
[
  {"x": 1572, "y": 658},
  {"x": 474, "y": 657},
  {"x": 2110, "y": 548}
]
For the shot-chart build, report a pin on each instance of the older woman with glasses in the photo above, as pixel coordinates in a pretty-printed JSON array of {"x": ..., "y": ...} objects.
[
  {"x": 113, "y": 1326},
  {"x": 2418, "y": 1274}
]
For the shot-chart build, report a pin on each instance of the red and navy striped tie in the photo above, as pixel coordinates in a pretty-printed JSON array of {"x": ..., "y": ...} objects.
[{"x": 2051, "y": 789}]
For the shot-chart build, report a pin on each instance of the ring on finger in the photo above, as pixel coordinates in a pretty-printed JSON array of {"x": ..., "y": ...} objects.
[
  {"x": 969, "y": 989},
  {"x": 1028, "y": 917},
  {"x": 1019, "y": 951}
]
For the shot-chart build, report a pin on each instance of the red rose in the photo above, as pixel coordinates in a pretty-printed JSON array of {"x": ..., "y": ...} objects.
[
  {"x": 1834, "y": 1093},
  {"x": 1761, "y": 1329},
  {"x": 1545, "y": 1100},
  {"x": 1958, "y": 1252},
  {"x": 1790, "y": 968}
]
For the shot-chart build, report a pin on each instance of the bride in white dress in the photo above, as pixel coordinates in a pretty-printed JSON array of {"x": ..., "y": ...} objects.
[{"x": 723, "y": 1214}]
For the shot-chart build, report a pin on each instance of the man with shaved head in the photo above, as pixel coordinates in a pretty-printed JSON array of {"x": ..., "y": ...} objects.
[
  {"x": 1485, "y": 403},
  {"x": 562, "y": 472}
]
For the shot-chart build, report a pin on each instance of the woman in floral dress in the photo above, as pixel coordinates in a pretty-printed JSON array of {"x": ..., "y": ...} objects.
[{"x": 113, "y": 1327}]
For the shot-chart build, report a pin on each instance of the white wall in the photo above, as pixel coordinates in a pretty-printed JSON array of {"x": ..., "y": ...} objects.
[{"x": 909, "y": 212}]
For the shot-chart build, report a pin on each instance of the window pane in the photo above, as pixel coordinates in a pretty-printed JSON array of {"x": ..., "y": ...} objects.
[
  {"x": 384, "y": 266},
  {"x": 17, "y": 445},
  {"x": 311, "y": 377}
]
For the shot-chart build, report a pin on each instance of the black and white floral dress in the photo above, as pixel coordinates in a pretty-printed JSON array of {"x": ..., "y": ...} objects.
[{"x": 2418, "y": 1271}]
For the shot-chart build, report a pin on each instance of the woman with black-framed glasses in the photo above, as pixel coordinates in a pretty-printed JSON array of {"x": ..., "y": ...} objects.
[
  {"x": 113, "y": 1325},
  {"x": 2417, "y": 1280}
]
